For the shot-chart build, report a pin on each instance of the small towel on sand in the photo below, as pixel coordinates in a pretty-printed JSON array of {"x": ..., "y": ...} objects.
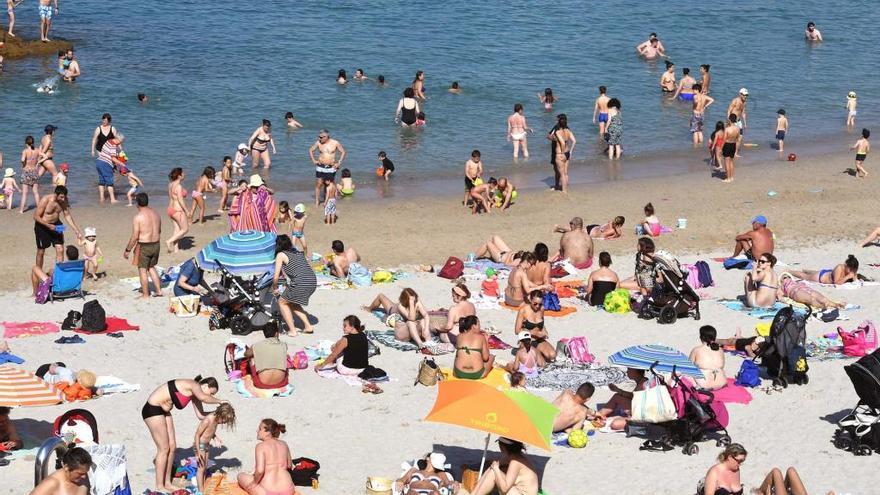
[
  {"x": 219, "y": 485},
  {"x": 349, "y": 379},
  {"x": 562, "y": 376},
  {"x": 114, "y": 325},
  {"x": 13, "y": 329},
  {"x": 566, "y": 310},
  {"x": 246, "y": 388},
  {"x": 113, "y": 385},
  {"x": 567, "y": 288}
]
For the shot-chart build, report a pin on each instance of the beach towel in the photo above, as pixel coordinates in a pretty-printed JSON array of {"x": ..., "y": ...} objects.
[
  {"x": 110, "y": 384},
  {"x": 737, "y": 263},
  {"x": 253, "y": 210},
  {"x": 847, "y": 286},
  {"x": 732, "y": 393},
  {"x": 566, "y": 310},
  {"x": 12, "y": 329},
  {"x": 107, "y": 472},
  {"x": 496, "y": 343},
  {"x": 497, "y": 378},
  {"x": 760, "y": 313},
  {"x": 332, "y": 374},
  {"x": 570, "y": 376},
  {"x": 6, "y": 357},
  {"x": 388, "y": 339},
  {"x": 114, "y": 324},
  {"x": 245, "y": 387},
  {"x": 482, "y": 264},
  {"x": 219, "y": 485},
  {"x": 567, "y": 288},
  {"x": 826, "y": 348}
]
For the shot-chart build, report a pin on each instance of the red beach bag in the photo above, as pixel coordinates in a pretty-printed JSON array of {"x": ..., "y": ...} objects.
[{"x": 452, "y": 269}]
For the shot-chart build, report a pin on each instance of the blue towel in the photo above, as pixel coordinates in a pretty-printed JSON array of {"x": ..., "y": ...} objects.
[
  {"x": 6, "y": 357},
  {"x": 760, "y": 313},
  {"x": 738, "y": 263}
]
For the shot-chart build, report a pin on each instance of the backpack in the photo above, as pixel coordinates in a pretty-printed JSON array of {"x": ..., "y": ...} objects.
[
  {"x": 551, "y": 302},
  {"x": 577, "y": 349},
  {"x": 359, "y": 275},
  {"x": 617, "y": 301},
  {"x": 304, "y": 471},
  {"x": 749, "y": 375},
  {"x": 452, "y": 269},
  {"x": 94, "y": 318},
  {"x": 704, "y": 274},
  {"x": 300, "y": 361}
]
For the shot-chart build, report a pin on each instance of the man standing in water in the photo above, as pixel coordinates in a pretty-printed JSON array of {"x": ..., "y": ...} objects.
[
  {"x": 812, "y": 34},
  {"x": 146, "y": 228},
  {"x": 701, "y": 103},
  {"x": 728, "y": 150},
  {"x": 652, "y": 48},
  {"x": 738, "y": 107},
  {"x": 48, "y": 229},
  {"x": 667, "y": 79},
  {"x": 600, "y": 110},
  {"x": 46, "y": 14},
  {"x": 326, "y": 164}
]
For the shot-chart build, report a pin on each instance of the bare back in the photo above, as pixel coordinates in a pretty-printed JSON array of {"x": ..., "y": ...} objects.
[
  {"x": 274, "y": 457},
  {"x": 148, "y": 225},
  {"x": 577, "y": 246}
]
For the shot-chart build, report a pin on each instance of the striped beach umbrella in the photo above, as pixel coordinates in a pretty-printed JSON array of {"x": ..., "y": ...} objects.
[
  {"x": 18, "y": 388},
  {"x": 663, "y": 359},
  {"x": 247, "y": 252}
]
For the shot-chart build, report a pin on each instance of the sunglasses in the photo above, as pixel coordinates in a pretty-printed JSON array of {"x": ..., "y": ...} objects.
[
  {"x": 739, "y": 460},
  {"x": 763, "y": 261}
]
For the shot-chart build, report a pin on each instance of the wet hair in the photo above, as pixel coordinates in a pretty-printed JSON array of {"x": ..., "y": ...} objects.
[
  {"x": 586, "y": 390},
  {"x": 562, "y": 121},
  {"x": 542, "y": 252},
  {"x": 866, "y": 133},
  {"x": 548, "y": 93},
  {"x": 209, "y": 172},
  {"x": 419, "y": 73},
  {"x": 619, "y": 221},
  {"x": 267, "y": 123},
  {"x": 346, "y": 173},
  {"x": 770, "y": 258},
  {"x": 210, "y": 381},
  {"x": 852, "y": 263},
  {"x": 467, "y": 322},
  {"x": 107, "y": 117},
  {"x": 142, "y": 97},
  {"x": 698, "y": 87},
  {"x": 72, "y": 253},
  {"x": 142, "y": 199},
  {"x": 517, "y": 107},
  {"x": 464, "y": 288},
  {"x": 76, "y": 457},
  {"x": 341, "y": 74},
  {"x": 227, "y": 158},
  {"x": 454, "y": 85},
  {"x": 61, "y": 190},
  {"x": 646, "y": 245},
  {"x": 781, "y": 111},
  {"x": 511, "y": 446},
  {"x": 29, "y": 142},
  {"x": 517, "y": 379},
  {"x": 475, "y": 153},
  {"x": 380, "y": 79},
  {"x": 536, "y": 293},
  {"x": 604, "y": 259},
  {"x": 273, "y": 427},
  {"x": 652, "y": 35},
  {"x": 732, "y": 117},
  {"x": 382, "y": 154},
  {"x": 175, "y": 173},
  {"x": 708, "y": 334},
  {"x": 705, "y": 67},
  {"x": 225, "y": 414},
  {"x": 811, "y": 24},
  {"x": 732, "y": 450},
  {"x": 649, "y": 209},
  {"x": 614, "y": 103},
  {"x": 288, "y": 115},
  {"x": 283, "y": 243},
  {"x": 685, "y": 71},
  {"x": 359, "y": 70},
  {"x": 337, "y": 246},
  {"x": 669, "y": 64},
  {"x": 602, "y": 90},
  {"x": 407, "y": 296},
  {"x": 354, "y": 322},
  {"x": 408, "y": 93},
  {"x": 493, "y": 181},
  {"x": 719, "y": 126}
]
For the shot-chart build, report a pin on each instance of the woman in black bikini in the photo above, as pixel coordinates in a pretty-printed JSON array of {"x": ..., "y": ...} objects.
[
  {"x": 259, "y": 144},
  {"x": 175, "y": 394},
  {"x": 724, "y": 477},
  {"x": 530, "y": 318}
]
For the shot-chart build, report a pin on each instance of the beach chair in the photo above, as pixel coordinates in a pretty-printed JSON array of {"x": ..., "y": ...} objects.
[{"x": 67, "y": 280}]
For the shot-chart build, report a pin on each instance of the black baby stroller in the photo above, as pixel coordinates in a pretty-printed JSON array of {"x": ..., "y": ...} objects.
[
  {"x": 698, "y": 414},
  {"x": 784, "y": 353},
  {"x": 243, "y": 305},
  {"x": 672, "y": 297},
  {"x": 860, "y": 429}
]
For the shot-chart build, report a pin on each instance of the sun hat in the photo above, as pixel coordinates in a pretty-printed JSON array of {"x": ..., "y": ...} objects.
[
  {"x": 438, "y": 461},
  {"x": 90, "y": 232},
  {"x": 64, "y": 167},
  {"x": 299, "y": 208},
  {"x": 242, "y": 146},
  {"x": 744, "y": 91},
  {"x": 523, "y": 336},
  {"x": 10, "y": 172},
  {"x": 852, "y": 94},
  {"x": 256, "y": 181},
  {"x": 760, "y": 219}
]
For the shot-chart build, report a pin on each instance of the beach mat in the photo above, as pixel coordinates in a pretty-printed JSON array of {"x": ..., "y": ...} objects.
[
  {"x": 760, "y": 313},
  {"x": 562, "y": 376},
  {"x": 219, "y": 485},
  {"x": 114, "y": 324},
  {"x": 333, "y": 375},
  {"x": 14, "y": 329},
  {"x": 245, "y": 387},
  {"x": 564, "y": 311},
  {"x": 497, "y": 378},
  {"x": 388, "y": 339},
  {"x": 732, "y": 393}
]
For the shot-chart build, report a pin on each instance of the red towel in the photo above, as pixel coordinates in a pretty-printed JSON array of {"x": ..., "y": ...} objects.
[{"x": 114, "y": 324}]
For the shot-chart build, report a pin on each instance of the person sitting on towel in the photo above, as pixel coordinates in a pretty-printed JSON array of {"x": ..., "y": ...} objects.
[
  {"x": 189, "y": 279},
  {"x": 350, "y": 354},
  {"x": 268, "y": 358},
  {"x": 575, "y": 245}
]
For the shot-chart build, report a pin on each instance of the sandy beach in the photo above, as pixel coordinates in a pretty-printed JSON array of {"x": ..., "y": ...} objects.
[{"x": 817, "y": 213}]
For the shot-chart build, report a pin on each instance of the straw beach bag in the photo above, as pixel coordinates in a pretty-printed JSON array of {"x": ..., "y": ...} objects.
[
  {"x": 185, "y": 306},
  {"x": 429, "y": 373},
  {"x": 378, "y": 486}
]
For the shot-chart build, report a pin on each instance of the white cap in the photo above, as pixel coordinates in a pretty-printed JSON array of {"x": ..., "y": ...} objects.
[
  {"x": 242, "y": 146},
  {"x": 90, "y": 232},
  {"x": 438, "y": 460},
  {"x": 256, "y": 181},
  {"x": 10, "y": 172},
  {"x": 743, "y": 91},
  {"x": 299, "y": 208},
  {"x": 523, "y": 336}
]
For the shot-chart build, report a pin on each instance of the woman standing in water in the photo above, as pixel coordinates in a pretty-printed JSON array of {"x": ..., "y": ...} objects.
[
  {"x": 407, "y": 108},
  {"x": 103, "y": 133},
  {"x": 517, "y": 130},
  {"x": 47, "y": 152},
  {"x": 614, "y": 131},
  {"x": 259, "y": 144},
  {"x": 30, "y": 174},
  {"x": 177, "y": 210},
  {"x": 565, "y": 143},
  {"x": 418, "y": 85},
  {"x": 547, "y": 99}
]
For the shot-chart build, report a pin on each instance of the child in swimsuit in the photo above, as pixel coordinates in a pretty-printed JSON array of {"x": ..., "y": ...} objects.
[
  {"x": 299, "y": 227},
  {"x": 330, "y": 204},
  {"x": 862, "y": 147},
  {"x": 651, "y": 225},
  {"x": 526, "y": 359},
  {"x": 240, "y": 155},
  {"x": 851, "y": 112},
  {"x": 223, "y": 182},
  {"x": 348, "y": 184},
  {"x": 9, "y": 187},
  {"x": 92, "y": 253},
  {"x": 134, "y": 183},
  {"x": 282, "y": 217},
  {"x": 781, "y": 128},
  {"x": 206, "y": 434},
  {"x": 204, "y": 185}
]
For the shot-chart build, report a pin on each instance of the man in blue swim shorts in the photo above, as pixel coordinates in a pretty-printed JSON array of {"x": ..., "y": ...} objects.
[
  {"x": 600, "y": 110},
  {"x": 46, "y": 13}
]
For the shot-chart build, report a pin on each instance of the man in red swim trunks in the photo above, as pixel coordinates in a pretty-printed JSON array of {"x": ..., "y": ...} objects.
[{"x": 575, "y": 245}]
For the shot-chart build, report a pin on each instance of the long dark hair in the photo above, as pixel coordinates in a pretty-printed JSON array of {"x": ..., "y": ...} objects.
[
  {"x": 175, "y": 173},
  {"x": 355, "y": 322},
  {"x": 561, "y": 121},
  {"x": 852, "y": 263},
  {"x": 708, "y": 334},
  {"x": 210, "y": 381},
  {"x": 283, "y": 243},
  {"x": 467, "y": 322}
]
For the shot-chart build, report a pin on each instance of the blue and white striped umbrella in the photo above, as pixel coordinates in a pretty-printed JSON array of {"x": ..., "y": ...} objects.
[
  {"x": 243, "y": 253},
  {"x": 662, "y": 358}
]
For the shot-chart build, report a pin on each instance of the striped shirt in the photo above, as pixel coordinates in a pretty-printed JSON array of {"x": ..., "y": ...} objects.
[{"x": 108, "y": 151}]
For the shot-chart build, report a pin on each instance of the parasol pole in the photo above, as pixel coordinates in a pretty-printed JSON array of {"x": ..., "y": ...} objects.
[{"x": 485, "y": 451}]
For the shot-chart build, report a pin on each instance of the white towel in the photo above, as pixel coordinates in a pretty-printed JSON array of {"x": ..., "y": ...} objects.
[
  {"x": 110, "y": 384},
  {"x": 108, "y": 468}
]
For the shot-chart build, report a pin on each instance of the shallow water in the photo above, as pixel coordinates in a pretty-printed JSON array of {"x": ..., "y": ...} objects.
[{"x": 213, "y": 70}]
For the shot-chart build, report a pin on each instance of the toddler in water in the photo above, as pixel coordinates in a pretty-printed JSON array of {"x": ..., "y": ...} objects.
[
  {"x": 420, "y": 119},
  {"x": 386, "y": 164},
  {"x": 240, "y": 155},
  {"x": 348, "y": 184},
  {"x": 292, "y": 123},
  {"x": 206, "y": 434},
  {"x": 781, "y": 128},
  {"x": 299, "y": 227},
  {"x": 651, "y": 225},
  {"x": 134, "y": 183},
  {"x": 92, "y": 253},
  {"x": 851, "y": 109},
  {"x": 60, "y": 178},
  {"x": 9, "y": 187},
  {"x": 282, "y": 217},
  {"x": 330, "y": 204},
  {"x": 862, "y": 147}
]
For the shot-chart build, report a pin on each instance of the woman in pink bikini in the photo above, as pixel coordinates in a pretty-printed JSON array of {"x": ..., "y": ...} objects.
[
  {"x": 175, "y": 394},
  {"x": 176, "y": 208},
  {"x": 204, "y": 185},
  {"x": 271, "y": 475}
]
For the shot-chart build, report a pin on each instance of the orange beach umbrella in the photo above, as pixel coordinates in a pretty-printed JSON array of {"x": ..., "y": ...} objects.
[{"x": 21, "y": 388}]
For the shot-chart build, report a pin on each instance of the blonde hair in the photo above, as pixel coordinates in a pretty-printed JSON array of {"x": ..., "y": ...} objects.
[
  {"x": 225, "y": 415},
  {"x": 732, "y": 450}
]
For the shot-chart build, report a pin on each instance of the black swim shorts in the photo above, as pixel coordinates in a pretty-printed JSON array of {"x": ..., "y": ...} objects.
[
  {"x": 728, "y": 150},
  {"x": 47, "y": 237}
]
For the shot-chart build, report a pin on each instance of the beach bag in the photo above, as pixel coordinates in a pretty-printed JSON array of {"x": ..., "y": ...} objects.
[
  {"x": 749, "y": 374},
  {"x": 653, "y": 405},
  {"x": 372, "y": 349},
  {"x": 379, "y": 486},
  {"x": 429, "y": 373},
  {"x": 304, "y": 471},
  {"x": 551, "y": 302},
  {"x": 704, "y": 274},
  {"x": 94, "y": 318},
  {"x": 578, "y": 350},
  {"x": 359, "y": 275},
  {"x": 853, "y": 342},
  {"x": 300, "y": 361},
  {"x": 185, "y": 306},
  {"x": 867, "y": 327},
  {"x": 617, "y": 301},
  {"x": 452, "y": 269}
]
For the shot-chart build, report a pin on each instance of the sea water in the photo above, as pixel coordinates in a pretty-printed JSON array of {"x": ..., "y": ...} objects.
[{"x": 213, "y": 70}]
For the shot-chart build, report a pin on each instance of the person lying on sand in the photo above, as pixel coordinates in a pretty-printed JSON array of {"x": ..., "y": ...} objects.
[
  {"x": 428, "y": 476},
  {"x": 871, "y": 239},
  {"x": 752, "y": 346},
  {"x": 575, "y": 245},
  {"x": 776, "y": 483},
  {"x": 799, "y": 291},
  {"x": 755, "y": 242},
  {"x": 761, "y": 283},
  {"x": 498, "y": 251},
  {"x": 618, "y": 408},
  {"x": 573, "y": 410},
  {"x": 609, "y": 230},
  {"x": 848, "y": 271}
]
